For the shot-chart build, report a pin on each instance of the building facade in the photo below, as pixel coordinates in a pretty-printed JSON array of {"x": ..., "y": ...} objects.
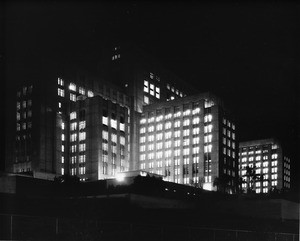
[
  {"x": 99, "y": 139},
  {"x": 268, "y": 162},
  {"x": 43, "y": 124},
  {"x": 189, "y": 141}
]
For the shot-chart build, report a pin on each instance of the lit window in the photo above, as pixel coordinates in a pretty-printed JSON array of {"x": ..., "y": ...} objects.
[
  {"x": 146, "y": 86},
  {"x": 186, "y": 132},
  {"x": 186, "y": 142},
  {"x": 159, "y": 118},
  {"x": 208, "y": 118},
  {"x": 186, "y": 122},
  {"x": 90, "y": 93},
  {"x": 151, "y": 89},
  {"x": 274, "y": 169},
  {"x": 196, "y": 121},
  {"x": 207, "y": 128},
  {"x": 177, "y": 152},
  {"x": 60, "y": 82},
  {"x": 157, "y": 94},
  {"x": 146, "y": 99},
  {"x": 177, "y": 143},
  {"x": 196, "y": 131},
  {"x": 207, "y": 148},
  {"x": 187, "y": 112},
  {"x": 196, "y": 150},
  {"x": 73, "y": 115},
  {"x": 62, "y": 137},
  {"x": 142, "y": 139},
  {"x": 151, "y": 75},
  {"x": 159, "y": 155},
  {"x": 74, "y": 137},
  {"x": 142, "y": 157},
  {"x": 81, "y": 91},
  {"x": 196, "y": 111},
  {"x": 159, "y": 136},
  {"x": 177, "y": 134},
  {"x": 151, "y": 155},
  {"x": 151, "y": 138},
  {"x": 82, "y": 136},
  {"x": 82, "y": 147},
  {"x": 72, "y": 86},
  {"x": 150, "y": 147},
  {"x": 168, "y": 135},
  {"x": 177, "y": 124},
  {"x": 72, "y": 97},
  {"x": 274, "y": 156},
  {"x": 159, "y": 127},
  {"x": 207, "y": 138},
  {"x": 159, "y": 145},
  {"x": 274, "y": 163},
  {"x": 168, "y": 125},
  {"x": 196, "y": 140},
  {"x": 142, "y": 130},
  {"x": 24, "y": 126}
]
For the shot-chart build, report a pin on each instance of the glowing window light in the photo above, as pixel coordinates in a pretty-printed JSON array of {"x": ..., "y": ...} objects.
[
  {"x": 168, "y": 125},
  {"x": 187, "y": 112},
  {"x": 159, "y": 127},
  {"x": 81, "y": 91},
  {"x": 159, "y": 118},
  {"x": 73, "y": 115},
  {"x": 208, "y": 118},
  {"x": 90, "y": 93},
  {"x": 169, "y": 116},
  {"x": 151, "y": 120},
  {"x": 61, "y": 92},
  {"x": 72, "y": 87},
  {"x": 143, "y": 121},
  {"x": 60, "y": 81}
]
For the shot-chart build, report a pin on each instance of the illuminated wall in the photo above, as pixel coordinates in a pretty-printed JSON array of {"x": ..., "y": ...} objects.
[{"x": 188, "y": 141}]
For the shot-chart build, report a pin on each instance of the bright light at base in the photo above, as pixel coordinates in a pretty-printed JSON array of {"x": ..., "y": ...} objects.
[
  {"x": 208, "y": 186},
  {"x": 120, "y": 177}
]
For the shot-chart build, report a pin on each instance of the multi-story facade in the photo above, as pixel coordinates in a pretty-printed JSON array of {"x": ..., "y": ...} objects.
[
  {"x": 144, "y": 80},
  {"x": 190, "y": 141},
  {"x": 43, "y": 131},
  {"x": 268, "y": 162},
  {"x": 99, "y": 137}
]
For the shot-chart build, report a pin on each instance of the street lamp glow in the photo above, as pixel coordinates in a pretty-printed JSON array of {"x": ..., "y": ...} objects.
[{"x": 120, "y": 177}]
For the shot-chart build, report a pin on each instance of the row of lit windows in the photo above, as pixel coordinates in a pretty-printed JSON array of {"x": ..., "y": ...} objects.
[
  {"x": 258, "y": 158},
  {"x": 25, "y": 104},
  {"x": 24, "y": 125},
  {"x": 26, "y": 90},
  {"x": 195, "y": 111},
  {"x": 177, "y": 92},
  {"x": 229, "y": 133},
  {"x": 151, "y": 89},
  {"x": 258, "y": 165},
  {"x": 25, "y": 115}
]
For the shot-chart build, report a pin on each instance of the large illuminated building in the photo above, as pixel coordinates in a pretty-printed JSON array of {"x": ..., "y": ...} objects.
[
  {"x": 268, "y": 161},
  {"x": 191, "y": 141},
  {"x": 45, "y": 128}
]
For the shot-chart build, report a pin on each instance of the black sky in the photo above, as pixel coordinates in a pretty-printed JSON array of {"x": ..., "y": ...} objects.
[{"x": 245, "y": 53}]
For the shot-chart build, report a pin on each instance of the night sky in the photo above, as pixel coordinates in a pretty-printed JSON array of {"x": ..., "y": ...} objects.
[{"x": 244, "y": 53}]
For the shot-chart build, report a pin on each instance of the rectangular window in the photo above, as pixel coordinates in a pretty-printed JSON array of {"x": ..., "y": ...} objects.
[
  {"x": 61, "y": 92},
  {"x": 72, "y": 87}
]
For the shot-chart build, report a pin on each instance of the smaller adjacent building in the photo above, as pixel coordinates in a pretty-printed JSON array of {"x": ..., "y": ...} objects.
[
  {"x": 191, "y": 140},
  {"x": 269, "y": 165}
]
